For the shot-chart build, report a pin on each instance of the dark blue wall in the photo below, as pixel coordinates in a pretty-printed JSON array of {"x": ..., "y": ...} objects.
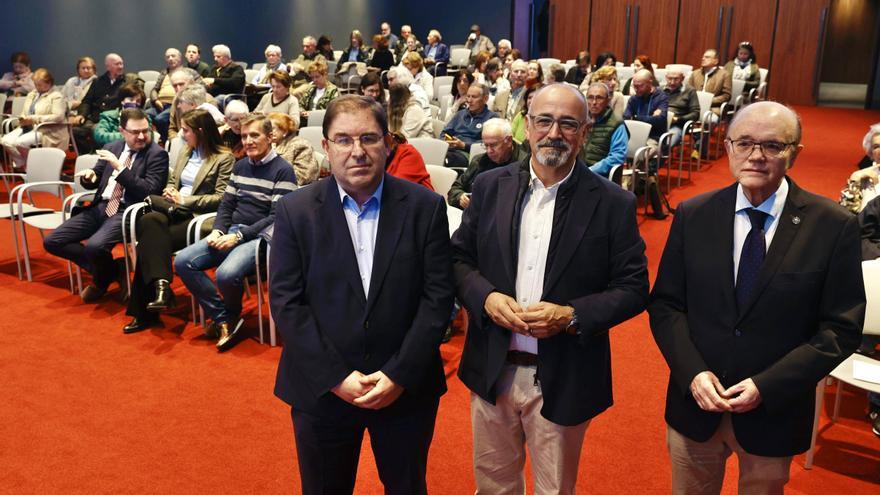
[{"x": 57, "y": 32}]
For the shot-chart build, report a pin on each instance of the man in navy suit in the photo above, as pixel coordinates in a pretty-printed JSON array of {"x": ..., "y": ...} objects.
[
  {"x": 128, "y": 172},
  {"x": 548, "y": 258},
  {"x": 759, "y": 295},
  {"x": 362, "y": 292}
]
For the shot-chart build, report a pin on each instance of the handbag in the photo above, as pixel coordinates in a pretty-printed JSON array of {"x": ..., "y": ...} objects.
[{"x": 174, "y": 211}]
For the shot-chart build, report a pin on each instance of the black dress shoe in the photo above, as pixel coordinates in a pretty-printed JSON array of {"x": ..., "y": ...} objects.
[
  {"x": 92, "y": 293},
  {"x": 229, "y": 337},
  {"x": 139, "y": 325},
  {"x": 164, "y": 297}
]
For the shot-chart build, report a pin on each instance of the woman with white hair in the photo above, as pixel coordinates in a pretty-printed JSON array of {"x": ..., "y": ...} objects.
[
  {"x": 870, "y": 164},
  {"x": 273, "y": 63}
]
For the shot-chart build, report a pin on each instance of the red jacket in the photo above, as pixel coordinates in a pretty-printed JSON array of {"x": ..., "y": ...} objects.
[{"x": 407, "y": 163}]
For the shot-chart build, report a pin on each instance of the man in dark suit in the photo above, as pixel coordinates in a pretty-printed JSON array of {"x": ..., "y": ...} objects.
[
  {"x": 362, "y": 292},
  {"x": 547, "y": 259},
  {"x": 128, "y": 172},
  {"x": 759, "y": 295}
]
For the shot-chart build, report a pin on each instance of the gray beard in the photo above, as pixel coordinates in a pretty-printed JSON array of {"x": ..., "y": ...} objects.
[{"x": 551, "y": 157}]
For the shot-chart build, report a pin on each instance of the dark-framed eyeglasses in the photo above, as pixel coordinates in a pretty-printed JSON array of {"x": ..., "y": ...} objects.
[
  {"x": 770, "y": 149},
  {"x": 544, "y": 123},
  {"x": 346, "y": 143}
]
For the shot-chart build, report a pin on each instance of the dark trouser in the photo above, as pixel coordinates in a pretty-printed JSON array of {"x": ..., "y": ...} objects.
[
  {"x": 456, "y": 158},
  {"x": 328, "y": 448},
  {"x": 158, "y": 238},
  {"x": 100, "y": 232}
]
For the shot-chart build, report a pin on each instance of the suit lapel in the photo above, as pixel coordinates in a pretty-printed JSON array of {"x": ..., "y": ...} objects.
[
  {"x": 786, "y": 231},
  {"x": 340, "y": 237},
  {"x": 508, "y": 188},
  {"x": 206, "y": 167},
  {"x": 580, "y": 212},
  {"x": 720, "y": 249},
  {"x": 392, "y": 216}
]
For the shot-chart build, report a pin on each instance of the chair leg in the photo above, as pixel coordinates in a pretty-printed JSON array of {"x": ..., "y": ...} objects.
[
  {"x": 259, "y": 294},
  {"x": 70, "y": 278},
  {"x": 837, "y": 397},
  {"x": 820, "y": 398},
  {"x": 17, "y": 252},
  {"x": 25, "y": 251}
]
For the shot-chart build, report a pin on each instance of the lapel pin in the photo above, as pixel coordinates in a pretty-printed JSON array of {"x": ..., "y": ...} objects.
[{"x": 795, "y": 220}]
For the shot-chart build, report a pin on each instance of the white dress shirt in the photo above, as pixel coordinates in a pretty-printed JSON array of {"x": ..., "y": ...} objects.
[
  {"x": 535, "y": 228},
  {"x": 111, "y": 184},
  {"x": 742, "y": 225}
]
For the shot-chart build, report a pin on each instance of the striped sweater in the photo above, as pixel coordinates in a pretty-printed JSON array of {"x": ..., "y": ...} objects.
[{"x": 251, "y": 194}]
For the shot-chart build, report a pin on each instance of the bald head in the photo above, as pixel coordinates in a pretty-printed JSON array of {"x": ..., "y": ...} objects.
[
  {"x": 769, "y": 111},
  {"x": 557, "y": 127},
  {"x": 114, "y": 65},
  {"x": 643, "y": 82},
  {"x": 565, "y": 94}
]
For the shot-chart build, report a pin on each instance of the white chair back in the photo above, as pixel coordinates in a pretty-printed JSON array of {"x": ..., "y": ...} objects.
[
  {"x": 83, "y": 162},
  {"x": 148, "y": 87},
  {"x": 638, "y": 136},
  {"x": 445, "y": 103},
  {"x": 316, "y": 118},
  {"x": 433, "y": 151},
  {"x": 684, "y": 68},
  {"x": 441, "y": 178},
  {"x": 243, "y": 65},
  {"x": 44, "y": 164},
  {"x": 453, "y": 214},
  {"x": 624, "y": 73},
  {"x": 459, "y": 57},
  {"x": 660, "y": 75},
  {"x": 705, "y": 98},
  {"x": 313, "y": 135},
  {"x": 17, "y": 105},
  {"x": 439, "y": 81},
  {"x": 148, "y": 75},
  {"x": 435, "y": 111},
  {"x": 249, "y": 75},
  {"x": 871, "y": 276},
  {"x": 438, "y": 126},
  {"x": 738, "y": 86},
  {"x": 257, "y": 67},
  {"x": 478, "y": 148},
  {"x": 2, "y": 101},
  {"x": 174, "y": 147},
  {"x": 547, "y": 62},
  {"x": 337, "y": 54},
  {"x": 764, "y": 73}
]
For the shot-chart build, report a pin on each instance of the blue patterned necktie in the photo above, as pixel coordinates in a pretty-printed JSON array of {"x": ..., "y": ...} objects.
[{"x": 752, "y": 256}]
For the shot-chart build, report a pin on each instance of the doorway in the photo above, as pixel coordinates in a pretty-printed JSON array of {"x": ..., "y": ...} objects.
[{"x": 850, "y": 53}]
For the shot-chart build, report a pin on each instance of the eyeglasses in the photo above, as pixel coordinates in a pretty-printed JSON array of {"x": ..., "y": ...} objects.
[
  {"x": 137, "y": 132},
  {"x": 544, "y": 123},
  {"x": 346, "y": 143},
  {"x": 596, "y": 98},
  {"x": 770, "y": 149}
]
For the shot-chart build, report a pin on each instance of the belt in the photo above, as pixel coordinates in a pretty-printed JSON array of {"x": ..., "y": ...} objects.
[{"x": 520, "y": 358}]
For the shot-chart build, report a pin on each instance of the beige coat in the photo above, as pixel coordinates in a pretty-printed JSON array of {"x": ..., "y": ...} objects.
[
  {"x": 719, "y": 84},
  {"x": 299, "y": 153},
  {"x": 50, "y": 108},
  {"x": 210, "y": 182}
]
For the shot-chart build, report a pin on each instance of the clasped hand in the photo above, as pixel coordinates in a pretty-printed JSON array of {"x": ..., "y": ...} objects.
[
  {"x": 540, "y": 320},
  {"x": 223, "y": 242},
  {"x": 713, "y": 397},
  {"x": 373, "y": 391},
  {"x": 173, "y": 195}
]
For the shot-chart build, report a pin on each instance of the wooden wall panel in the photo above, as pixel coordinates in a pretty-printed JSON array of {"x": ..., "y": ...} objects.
[
  {"x": 655, "y": 37},
  {"x": 569, "y": 28},
  {"x": 753, "y": 22},
  {"x": 608, "y": 28},
  {"x": 851, "y": 38},
  {"x": 793, "y": 68},
  {"x": 699, "y": 29}
]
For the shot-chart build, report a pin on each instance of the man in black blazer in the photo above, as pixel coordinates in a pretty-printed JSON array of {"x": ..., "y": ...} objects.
[
  {"x": 547, "y": 259},
  {"x": 759, "y": 295},
  {"x": 362, "y": 292},
  {"x": 128, "y": 172}
]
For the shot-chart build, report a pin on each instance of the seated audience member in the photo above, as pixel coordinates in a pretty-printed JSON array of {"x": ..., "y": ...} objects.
[
  {"x": 411, "y": 44},
  {"x": 466, "y": 126},
  {"x": 382, "y": 57},
  {"x": 19, "y": 82},
  {"x": 245, "y": 214},
  {"x": 608, "y": 139},
  {"x": 495, "y": 77},
  {"x": 639, "y": 63},
  {"x": 235, "y": 113},
  {"x": 713, "y": 79},
  {"x": 309, "y": 55},
  {"x": 101, "y": 96},
  {"x": 607, "y": 75},
  {"x": 479, "y": 64},
  {"x": 405, "y": 162},
  {"x": 274, "y": 63},
  {"x": 76, "y": 87},
  {"x": 555, "y": 74},
  {"x": 519, "y": 123},
  {"x": 162, "y": 94},
  {"x": 356, "y": 51},
  {"x": 404, "y": 76},
  {"x": 385, "y": 32},
  {"x": 436, "y": 54},
  {"x": 190, "y": 95},
  {"x": 128, "y": 172},
  {"x": 108, "y": 129},
  {"x": 325, "y": 47},
  {"x": 279, "y": 99},
  {"x": 226, "y": 77},
  {"x": 501, "y": 150},
  {"x": 535, "y": 74},
  {"x": 606, "y": 59},
  {"x": 478, "y": 42},
  {"x": 871, "y": 145},
  {"x": 371, "y": 85},
  {"x": 405, "y": 115},
  {"x": 195, "y": 185},
  {"x": 581, "y": 70},
  {"x": 318, "y": 93},
  {"x": 509, "y": 103},
  {"x": 511, "y": 57},
  {"x": 743, "y": 66},
  {"x": 648, "y": 104},
  {"x": 683, "y": 103},
  {"x": 461, "y": 81},
  {"x": 294, "y": 149},
  {"x": 42, "y": 105},
  {"x": 413, "y": 62},
  {"x": 504, "y": 48},
  {"x": 194, "y": 61}
]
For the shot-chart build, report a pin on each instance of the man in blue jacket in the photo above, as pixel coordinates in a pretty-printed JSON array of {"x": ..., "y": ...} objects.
[{"x": 466, "y": 126}]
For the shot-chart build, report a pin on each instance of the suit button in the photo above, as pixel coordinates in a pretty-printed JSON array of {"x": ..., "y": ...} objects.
[
  {"x": 737, "y": 332},
  {"x": 366, "y": 325}
]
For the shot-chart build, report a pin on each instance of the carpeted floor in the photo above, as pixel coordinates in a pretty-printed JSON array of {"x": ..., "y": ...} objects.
[{"x": 86, "y": 409}]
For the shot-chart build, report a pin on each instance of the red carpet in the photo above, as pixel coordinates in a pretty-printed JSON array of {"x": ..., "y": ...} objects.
[{"x": 86, "y": 409}]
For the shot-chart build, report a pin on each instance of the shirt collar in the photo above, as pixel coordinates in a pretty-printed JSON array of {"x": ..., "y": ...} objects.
[
  {"x": 348, "y": 201},
  {"x": 771, "y": 206},
  {"x": 266, "y": 159},
  {"x": 535, "y": 182}
]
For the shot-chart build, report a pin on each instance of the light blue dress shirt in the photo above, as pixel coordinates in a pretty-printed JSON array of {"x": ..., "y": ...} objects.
[
  {"x": 742, "y": 225},
  {"x": 363, "y": 225}
]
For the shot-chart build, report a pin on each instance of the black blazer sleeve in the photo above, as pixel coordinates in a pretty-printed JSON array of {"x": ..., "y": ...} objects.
[{"x": 155, "y": 176}]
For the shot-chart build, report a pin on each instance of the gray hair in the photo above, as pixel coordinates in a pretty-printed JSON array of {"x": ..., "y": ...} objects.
[
  {"x": 175, "y": 50},
  {"x": 186, "y": 72},
  {"x": 869, "y": 137},
  {"x": 483, "y": 88},
  {"x": 500, "y": 125},
  {"x": 272, "y": 49},
  {"x": 192, "y": 94},
  {"x": 222, "y": 50},
  {"x": 401, "y": 76},
  {"x": 436, "y": 33},
  {"x": 602, "y": 85},
  {"x": 504, "y": 42},
  {"x": 309, "y": 40},
  {"x": 235, "y": 107}
]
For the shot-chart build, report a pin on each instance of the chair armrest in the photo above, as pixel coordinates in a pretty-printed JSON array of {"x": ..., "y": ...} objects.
[
  {"x": 72, "y": 200},
  {"x": 194, "y": 229},
  {"x": 130, "y": 216}
]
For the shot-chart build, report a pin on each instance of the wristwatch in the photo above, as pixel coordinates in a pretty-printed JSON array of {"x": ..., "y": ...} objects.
[
  {"x": 239, "y": 236},
  {"x": 573, "y": 328}
]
